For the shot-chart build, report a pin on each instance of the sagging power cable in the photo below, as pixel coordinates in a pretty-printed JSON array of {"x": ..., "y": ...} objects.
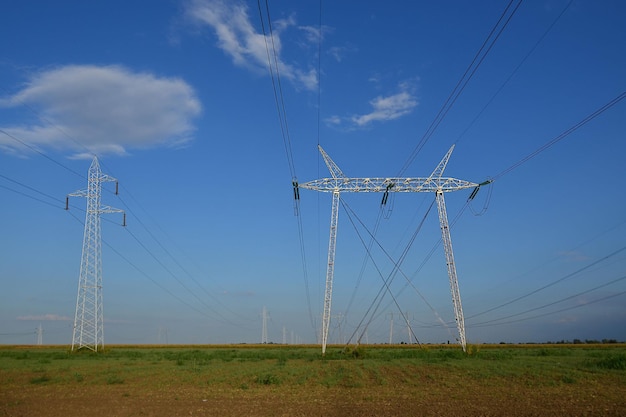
[
  {"x": 480, "y": 56},
  {"x": 552, "y": 283},
  {"x": 274, "y": 69},
  {"x": 571, "y": 297},
  {"x": 385, "y": 288},
  {"x": 563, "y": 135}
]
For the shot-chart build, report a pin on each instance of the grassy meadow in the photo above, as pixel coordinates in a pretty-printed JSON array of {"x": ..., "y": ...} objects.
[{"x": 297, "y": 380}]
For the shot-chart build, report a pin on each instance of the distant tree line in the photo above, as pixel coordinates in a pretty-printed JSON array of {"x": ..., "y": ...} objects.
[
  {"x": 587, "y": 341},
  {"x": 571, "y": 342}
]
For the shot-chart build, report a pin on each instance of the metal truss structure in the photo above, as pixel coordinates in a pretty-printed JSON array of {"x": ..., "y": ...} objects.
[
  {"x": 434, "y": 183},
  {"x": 89, "y": 320}
]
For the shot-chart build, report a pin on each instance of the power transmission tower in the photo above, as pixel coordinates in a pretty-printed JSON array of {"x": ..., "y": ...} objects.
[
  {"x": 162, "y": 337},
  {"x": 434, "y": 183},
  {"x": 390, "y": 328},
  {"x": 39, "y": 335},
  {"x": 264, "y": 316},
  {"x": 89, "y": 320},
  {"x": 409, "y": 331},
  {"x": 340, "y": 320}
]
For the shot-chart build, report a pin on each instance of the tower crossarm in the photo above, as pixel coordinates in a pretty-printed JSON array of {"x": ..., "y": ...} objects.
[
  {"x": 397, "y": 185},
  {"x": 334, "y": 169},
  {"x": 81, "y": 193},
  {"x": 109, "y": 209}
]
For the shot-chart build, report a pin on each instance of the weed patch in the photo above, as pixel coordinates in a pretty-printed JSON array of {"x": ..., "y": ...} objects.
[
  {"x": 268, "y": 379},
  {"x": 40, "y": 379},
  {"x": 614, "y": 362},
  {"x": 114, "y": 380}
]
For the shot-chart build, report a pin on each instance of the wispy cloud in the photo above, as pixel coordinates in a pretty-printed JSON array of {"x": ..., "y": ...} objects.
[
  {"x": 383, "y": 108},
  {"x": 387, "y": 108},
  {"x": 102, "y": 109},
  {"x": 334, "y": 120},
  {"x": 238, "y": 38},
  {"x": 44, "y": 317},
  {"x": 312, "y": 34},
  {"x": 337, "y": 52}
]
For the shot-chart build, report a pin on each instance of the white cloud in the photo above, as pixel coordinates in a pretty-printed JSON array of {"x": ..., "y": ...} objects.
[
  {"x": 384, "y": 108},
  {"x": 314, "y": 34},
  {"x": 311, "y": 33},
  {"x": 247, "y": 47},
  {"x": 102, "y": 109},
  {"x": 45, "y": 317},
  {"x": 387, "y": 108},
  {"x": 337, "y": 52},
  {"x": 333, "y": 120}
]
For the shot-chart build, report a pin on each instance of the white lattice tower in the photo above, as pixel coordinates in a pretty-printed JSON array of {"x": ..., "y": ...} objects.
[
  {"x": 434, "y": 183},
  {"x": 264, "y": 316},
  {"x": 39, "y": 335},
  {"x": 89, "y": 319}
]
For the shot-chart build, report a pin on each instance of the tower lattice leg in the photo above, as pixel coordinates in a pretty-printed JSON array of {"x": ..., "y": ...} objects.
[
  {"x": 328, "y": 293},
  {"x": 454, "y": 283}
]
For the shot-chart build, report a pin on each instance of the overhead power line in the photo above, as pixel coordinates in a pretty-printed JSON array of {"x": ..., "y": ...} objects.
[
  {"x": 532, "y": 50},
  {"x": 178, "y": 264},
  {"x": 480, "y": 56},
  {"x": 145, "y": 274},
  {"x": 571, "y": 297},
  {"x": 60, "y": 202},
  {"x": 32, "y": 189},
  {"x": 34, "y": 149},
  {"x": 552, "y": 283},
  {"x": 88, "y": 151},
  {"x": 385, "y": 288},
  {"x": 169, "y": 271},
  {"x": 376, "y": 302},
  {"x": 562, "y": 135},
  {"x": 274, "y": 69},
  {"x": 62, "y": 165}
]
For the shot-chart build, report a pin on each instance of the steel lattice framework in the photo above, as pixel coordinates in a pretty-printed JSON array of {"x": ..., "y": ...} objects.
[
  {"x": 89, "y": 320},
  {"x": 434, "y": 183}
]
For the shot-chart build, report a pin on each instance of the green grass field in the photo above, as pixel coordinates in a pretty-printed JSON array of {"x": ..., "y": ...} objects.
[{"x": 297, "y": 380}]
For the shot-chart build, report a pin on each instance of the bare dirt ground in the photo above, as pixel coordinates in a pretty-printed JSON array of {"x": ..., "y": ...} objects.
[
  {"x": 437, "y": 397},
  {"x": 237, "y": 382}
]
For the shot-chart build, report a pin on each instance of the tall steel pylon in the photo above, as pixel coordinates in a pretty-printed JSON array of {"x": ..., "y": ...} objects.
[
  {"x": 89, "y": 320},
  {"x": 264, "y": 317},
  {"x": 434, "y": 183}
]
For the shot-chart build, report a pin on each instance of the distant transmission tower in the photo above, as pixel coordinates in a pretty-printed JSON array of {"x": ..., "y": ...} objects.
[
  {"x": 390, "y": 328},
  {"x": 39, "y": 335},
  {"x": 88, "y": 321},
  {"x": 265, "y": 316}
]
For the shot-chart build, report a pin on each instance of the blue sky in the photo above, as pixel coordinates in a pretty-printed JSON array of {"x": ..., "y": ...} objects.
[{"x": 176, "y": 99}]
